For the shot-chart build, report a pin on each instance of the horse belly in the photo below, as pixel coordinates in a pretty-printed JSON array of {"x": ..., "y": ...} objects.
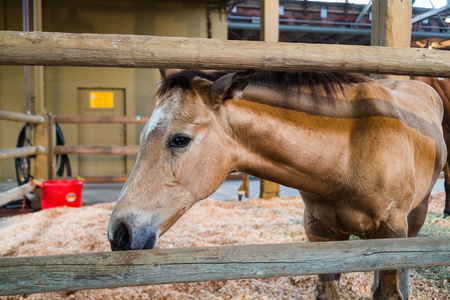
[{"x": 344, "y": 219}]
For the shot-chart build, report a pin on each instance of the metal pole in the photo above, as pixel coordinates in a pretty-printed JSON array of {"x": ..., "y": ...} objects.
[
  {"x": 26, "y": 71},
  {"x": 38, "y": 70}
]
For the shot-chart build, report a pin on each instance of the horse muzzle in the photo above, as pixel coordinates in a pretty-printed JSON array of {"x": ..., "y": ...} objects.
[{"x": 124, "y": 235}]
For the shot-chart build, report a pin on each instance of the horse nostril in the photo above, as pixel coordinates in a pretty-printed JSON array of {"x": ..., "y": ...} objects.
[
  {"x": 121, "y": 238},
  {"x": 124, "y": 238},
  {"x": 151, "y": 242}
]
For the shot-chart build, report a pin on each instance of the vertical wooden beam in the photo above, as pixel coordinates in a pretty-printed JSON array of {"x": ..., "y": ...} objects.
[
  {"x": 391, "y": 26},
  {"x": 269, "y": 189},
  {"x": 269, "y": 20},
  {"x": 51, "y": 146},
  {"x": 269, "y": 33},
  {"x": 41, "y": 137},
  {"x": 244, "y": 189}
]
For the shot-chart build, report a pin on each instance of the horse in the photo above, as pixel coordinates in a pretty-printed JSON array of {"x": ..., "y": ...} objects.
[
  {"x": 442, "y": 87},
  {"x": 364, "y": 155}
]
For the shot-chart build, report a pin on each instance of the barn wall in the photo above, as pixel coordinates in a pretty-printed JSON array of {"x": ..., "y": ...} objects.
[{"x": 96, "y": 16}]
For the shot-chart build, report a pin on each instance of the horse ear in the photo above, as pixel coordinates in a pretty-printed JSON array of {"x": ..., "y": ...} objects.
[
  {"x": 230, "y": 85},
  {"x": 167, "y": 72}
]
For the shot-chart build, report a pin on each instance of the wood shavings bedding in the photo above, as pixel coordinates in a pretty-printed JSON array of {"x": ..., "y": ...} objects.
[{"x": 209, "y": 223}]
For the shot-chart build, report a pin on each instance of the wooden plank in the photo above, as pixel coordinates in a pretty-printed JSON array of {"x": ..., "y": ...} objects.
[
  {"x": 269, "y": 189},
  {"x": 269, "y": 33},
  {"x": 145, "y": 267},
  {"x": 106, "y": 179},
  {"x": 19, "y": 117},
  {"x": 23, "y": 151},
  {"x": 391, "y": 27},
  {"x": 40, "y": 135},
  {"x": 16, "y": 192},
  {"x": 70, "y": 49},
  {"x": 269, "y": 20},
  {"x": 244, "y": 189},
  {"x": 51, "y": 141},
  {"x": 113, "y": 150},
  {"x": 100, "y": 119},
  {"x": 44, "y": 163},
  {"x": 124, "y": 177},
  {"x": 391, "y": 23}
]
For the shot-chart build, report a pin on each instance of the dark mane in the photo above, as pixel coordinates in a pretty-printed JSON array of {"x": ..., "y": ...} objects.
[{"x": 329, "y": 82}]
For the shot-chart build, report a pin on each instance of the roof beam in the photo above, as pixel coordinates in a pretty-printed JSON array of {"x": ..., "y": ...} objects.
[
  {"x": 334, "y": 30},
  {"x": 363, "y": 12},
  {"x": 430, "y": 13}
]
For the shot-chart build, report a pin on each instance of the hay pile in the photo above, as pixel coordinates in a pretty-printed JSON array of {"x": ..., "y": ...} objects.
[{"x": 209, "y": 223}]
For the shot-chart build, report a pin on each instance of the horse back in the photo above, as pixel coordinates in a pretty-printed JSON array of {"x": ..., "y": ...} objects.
[{"x": 407, "y": 96}]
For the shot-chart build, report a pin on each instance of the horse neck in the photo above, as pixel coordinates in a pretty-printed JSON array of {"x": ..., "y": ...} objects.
[{"x": 283, "y": 145}]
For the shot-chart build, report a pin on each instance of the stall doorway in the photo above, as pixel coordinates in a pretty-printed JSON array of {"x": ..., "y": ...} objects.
[{"x": 101, "y": 102}]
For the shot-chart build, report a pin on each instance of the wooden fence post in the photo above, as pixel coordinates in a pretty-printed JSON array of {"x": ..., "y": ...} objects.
[
  {"x": 391, "y": 26},
  {"x": 269, "y": 33},
  {"x": 40, "y": 163},
  {"x": 51, "y": 145}
]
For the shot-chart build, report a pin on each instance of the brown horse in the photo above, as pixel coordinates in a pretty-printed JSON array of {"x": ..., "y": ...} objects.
[
  {"x": 442, "y": 86},
  {"x": 364, "y": 154}
]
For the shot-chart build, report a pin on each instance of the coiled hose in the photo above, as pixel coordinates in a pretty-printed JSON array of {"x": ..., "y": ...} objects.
[{"x": 22, "y": 164}]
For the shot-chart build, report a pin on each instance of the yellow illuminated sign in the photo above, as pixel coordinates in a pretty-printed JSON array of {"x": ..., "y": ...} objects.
[{"x": 101, "y": 99}]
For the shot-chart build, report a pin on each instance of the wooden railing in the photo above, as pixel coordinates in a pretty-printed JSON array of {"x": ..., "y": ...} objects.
[
  {"x": 98, "y": 150},
  {"x": 134, "y": 51},
  {"x": 43, "y": 274},
  {"x": 100, "y": 270},
  {"x": 14, "y": 193}
]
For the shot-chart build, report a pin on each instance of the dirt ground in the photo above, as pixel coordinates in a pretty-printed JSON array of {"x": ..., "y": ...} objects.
[{"x": 209, "y": 223}]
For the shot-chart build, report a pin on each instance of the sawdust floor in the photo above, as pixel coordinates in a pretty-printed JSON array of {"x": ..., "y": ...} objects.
[{"x": 209, "y": 223}]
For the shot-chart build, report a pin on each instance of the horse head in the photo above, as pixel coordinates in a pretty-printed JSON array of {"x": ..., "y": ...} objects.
[{"x": 184, "y": 157}]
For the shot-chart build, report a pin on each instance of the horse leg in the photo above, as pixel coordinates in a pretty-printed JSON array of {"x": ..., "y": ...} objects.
[
  {"x": 416, "y": 218},
  {"x": 327, "y": 285},
  {"x": 388, "y": 283},
  {"x": 447, "y": 190},
  {"x": 404, "y": 276}
]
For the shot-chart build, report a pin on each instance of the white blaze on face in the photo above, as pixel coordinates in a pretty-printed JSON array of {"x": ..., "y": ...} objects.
[
  {"x": 156, "y": 117},
  {"x": 123, "y": 192}
]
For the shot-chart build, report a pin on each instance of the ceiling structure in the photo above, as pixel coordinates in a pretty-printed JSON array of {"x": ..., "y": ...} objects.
[{"x": 330, "y": 23}]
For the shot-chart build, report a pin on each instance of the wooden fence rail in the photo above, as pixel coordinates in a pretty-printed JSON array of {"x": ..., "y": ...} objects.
[
  {"x": 99, "y": 119},
  {"x": 16, "y": 192},
  {"x": 112, "y": 150},
  {"x": 132, "y": 268},
  {"x": 18, "y": 152},
  {"x": 19, "y": 117},
  {"x": 113, "y": 50},
  {"x": 123, "y": 178}
]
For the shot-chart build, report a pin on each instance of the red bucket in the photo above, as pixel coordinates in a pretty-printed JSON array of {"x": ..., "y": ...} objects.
[{"x": 61, "y": 193}]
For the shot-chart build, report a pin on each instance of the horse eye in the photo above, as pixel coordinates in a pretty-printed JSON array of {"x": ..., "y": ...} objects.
[{"x": 179, "y": 142}]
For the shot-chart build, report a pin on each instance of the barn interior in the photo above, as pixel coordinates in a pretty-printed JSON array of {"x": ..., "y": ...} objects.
[
  {"x": 127, "y": 92},
  {"x": 84, "y": 124}
]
